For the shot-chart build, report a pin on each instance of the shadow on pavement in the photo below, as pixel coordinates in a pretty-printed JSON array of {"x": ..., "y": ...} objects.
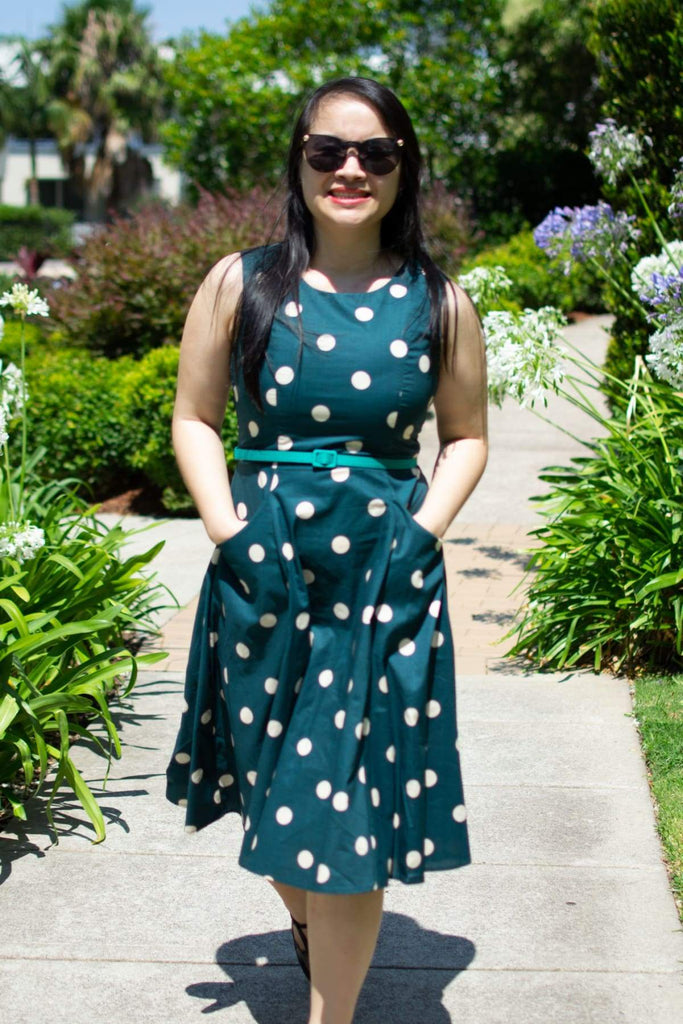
[{"x": 412, "y": 967}]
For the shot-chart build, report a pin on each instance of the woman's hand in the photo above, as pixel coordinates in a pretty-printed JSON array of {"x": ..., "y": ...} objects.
[
  {"x": 426, "y": 525},
  {"x": 231, "y": 531}
]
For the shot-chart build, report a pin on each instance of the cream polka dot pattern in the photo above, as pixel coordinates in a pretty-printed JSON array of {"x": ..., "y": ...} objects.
[
  {"x": 364, "y": 314},
  {"x": 284, "y": 375},
  {"x": 322, "y": 875},
  {"x": 257, "y": 552},
  {"x": 293, "y": 309},
  {"x": 361, "y": 380},
  {"x": 305, "y": 509},
  {"x": 340, "y": 801},
  {"x": 326, "y": 639}
]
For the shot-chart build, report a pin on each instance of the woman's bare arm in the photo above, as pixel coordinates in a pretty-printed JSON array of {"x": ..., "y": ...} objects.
[
  {"x": 460, "y": 404},
  {"x": 202, "y": 395}
]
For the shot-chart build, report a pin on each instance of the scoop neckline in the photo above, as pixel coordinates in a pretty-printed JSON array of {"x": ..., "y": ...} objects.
[{"x": 399, "y": 273}]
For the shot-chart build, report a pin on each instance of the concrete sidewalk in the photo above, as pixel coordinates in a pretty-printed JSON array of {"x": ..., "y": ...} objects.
[{"x": 564, "y": 917}]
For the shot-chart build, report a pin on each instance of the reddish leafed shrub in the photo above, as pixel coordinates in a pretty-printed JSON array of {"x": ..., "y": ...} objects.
[{"x": 136, "y": 277}]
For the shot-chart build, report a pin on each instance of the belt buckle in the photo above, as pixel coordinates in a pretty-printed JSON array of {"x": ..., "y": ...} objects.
[{"x": 324, "y": 458}]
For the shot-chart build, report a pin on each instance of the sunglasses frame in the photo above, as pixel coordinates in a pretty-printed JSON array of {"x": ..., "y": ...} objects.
[{"x": 361, "y": 152}]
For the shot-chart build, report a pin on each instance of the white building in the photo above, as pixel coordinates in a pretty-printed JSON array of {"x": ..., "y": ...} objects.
[{"x": 53, "y": 179}]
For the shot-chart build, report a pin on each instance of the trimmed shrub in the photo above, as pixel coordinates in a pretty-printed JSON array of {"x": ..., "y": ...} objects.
[
  {"x": 536, "y": 282},
  {"x": 136, "y": 278},
  {"x": 37, "y": 227},
  {"x": 75, "y": 415},
  {"x": 147, "y": 400}
]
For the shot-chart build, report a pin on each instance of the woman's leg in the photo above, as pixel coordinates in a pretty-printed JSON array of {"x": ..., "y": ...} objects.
[
  {"x": 295, "y": 901},
  {"x": 342, "y": 933}
]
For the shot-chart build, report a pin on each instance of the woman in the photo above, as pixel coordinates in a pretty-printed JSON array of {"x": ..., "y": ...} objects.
[{"x": 320, "y": 696}]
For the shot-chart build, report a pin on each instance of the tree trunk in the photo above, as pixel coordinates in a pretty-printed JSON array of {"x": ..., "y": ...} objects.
[{"x": 33, "y": 192}]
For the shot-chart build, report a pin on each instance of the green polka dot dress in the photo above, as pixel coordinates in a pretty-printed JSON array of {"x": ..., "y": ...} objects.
[{"x": 320, "y": 689}]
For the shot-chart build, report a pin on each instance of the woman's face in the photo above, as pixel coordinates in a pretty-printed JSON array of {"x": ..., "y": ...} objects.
[{"x": 348, "y": 196}]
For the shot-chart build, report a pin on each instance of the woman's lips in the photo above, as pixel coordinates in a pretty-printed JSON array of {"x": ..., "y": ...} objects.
[{"x": 349, "y": 198}]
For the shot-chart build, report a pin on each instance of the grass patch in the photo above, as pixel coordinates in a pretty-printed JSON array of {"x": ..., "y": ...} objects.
[{"x": 659, "y": 711}]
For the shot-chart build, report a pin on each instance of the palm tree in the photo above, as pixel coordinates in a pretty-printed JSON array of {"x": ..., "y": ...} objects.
[
  {"x": 24, "y": 93},
  {"x": 107, "y": 84}
]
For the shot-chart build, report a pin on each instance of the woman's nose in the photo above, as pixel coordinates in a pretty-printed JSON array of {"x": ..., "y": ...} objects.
[{"x": 351, "y": 166}]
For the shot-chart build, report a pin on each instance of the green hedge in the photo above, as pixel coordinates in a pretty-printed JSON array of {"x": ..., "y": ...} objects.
[
  {"x": 108, "y": 422},
  {"x": 147, "y": 400},
  {"x": 536, "y": 282},
  {"x": 37, "y": 227}
]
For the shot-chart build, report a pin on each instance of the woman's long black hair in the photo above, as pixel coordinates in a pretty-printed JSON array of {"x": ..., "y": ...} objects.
[{"x": 283, "y": 265}]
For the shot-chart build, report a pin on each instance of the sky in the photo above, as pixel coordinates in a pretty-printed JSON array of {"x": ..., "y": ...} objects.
[{"x": 167, "y": 17}]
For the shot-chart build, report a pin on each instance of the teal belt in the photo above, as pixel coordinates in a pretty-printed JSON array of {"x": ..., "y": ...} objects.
[{"x": 322, "y": 458}]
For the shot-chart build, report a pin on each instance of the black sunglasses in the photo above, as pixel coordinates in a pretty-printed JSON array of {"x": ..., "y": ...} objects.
[{"x": 328, "y": 153}]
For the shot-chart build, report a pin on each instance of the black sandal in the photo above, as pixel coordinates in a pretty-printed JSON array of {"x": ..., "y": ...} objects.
[{"x": 301, "y": 947}]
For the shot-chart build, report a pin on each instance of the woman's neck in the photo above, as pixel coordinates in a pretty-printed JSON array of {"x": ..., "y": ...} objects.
[{"x": 351, "y": 264}]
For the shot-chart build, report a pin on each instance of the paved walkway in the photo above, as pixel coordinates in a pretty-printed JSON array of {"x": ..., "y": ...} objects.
[{"x": 564, "y": 917}]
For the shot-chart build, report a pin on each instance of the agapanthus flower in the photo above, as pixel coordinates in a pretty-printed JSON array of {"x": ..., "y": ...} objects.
[
  {"x": 2, "y": 326},
  {"x": 24, "y": 301},
  {"x": 614, "y": 151},
  {"x": 4, "y": 435},
  {"x": 676, "y": 193},
  {"x": 651, "y": 276},
  {"x": 666, "y": 353},
  {"x": 524, "y": 354},
  {"x": 485, "y": 285},
  {"x": 11, "y": 391},
  {"x": 20, "y": 540},
  {"x": 585, "y": 232},
  {"x": 552, "y": 233}
]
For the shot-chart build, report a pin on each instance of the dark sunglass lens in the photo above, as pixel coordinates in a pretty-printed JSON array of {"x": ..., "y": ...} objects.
[
  {"x": 381, "y": 156},
  {"x": 324, "y": 154}
]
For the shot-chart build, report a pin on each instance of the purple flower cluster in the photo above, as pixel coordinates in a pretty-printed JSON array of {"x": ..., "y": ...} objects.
[
  {"x": 585, "y": 232},
  {"x": 666, "y": 295}
]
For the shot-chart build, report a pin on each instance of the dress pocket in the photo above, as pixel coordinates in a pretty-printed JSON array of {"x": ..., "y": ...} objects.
[{"x": 253, "y": 535}]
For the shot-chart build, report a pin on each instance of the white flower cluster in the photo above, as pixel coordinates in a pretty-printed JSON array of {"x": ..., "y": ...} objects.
[
  {"x": 642, "y": 274},
  {"x": 485, "y": 285},
  {"x": 11, "y": 397},
  {"x": 24, "y": 301},
  {"x": 615, "y": 150},
  {"x": 20, "y": 540},
  {"x": 524, "y": 354},
  {"x": 666, "y": 354}
]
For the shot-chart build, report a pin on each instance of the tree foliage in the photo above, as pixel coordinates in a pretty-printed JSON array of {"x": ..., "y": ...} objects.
[{"x": 236, "y": 97}]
